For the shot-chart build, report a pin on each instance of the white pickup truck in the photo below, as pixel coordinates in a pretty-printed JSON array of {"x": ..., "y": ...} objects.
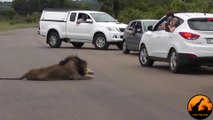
[{"x": 79, "y": 27}]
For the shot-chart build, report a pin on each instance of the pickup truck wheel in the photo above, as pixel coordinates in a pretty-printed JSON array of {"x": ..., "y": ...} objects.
[
  {"x": 77, "y": 44},
  {"x": 124, "y": 48},
  {"x": 100, "y": 41},
  {"x": 54, "y": 40},
  {"x": 144, "y": 58}
]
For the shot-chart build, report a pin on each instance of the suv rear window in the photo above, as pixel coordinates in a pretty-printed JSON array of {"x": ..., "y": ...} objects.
[{"x": 201, "y": 24}]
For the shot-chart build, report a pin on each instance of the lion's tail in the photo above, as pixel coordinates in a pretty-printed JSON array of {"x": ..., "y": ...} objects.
[{"x": 19, "y": 78}]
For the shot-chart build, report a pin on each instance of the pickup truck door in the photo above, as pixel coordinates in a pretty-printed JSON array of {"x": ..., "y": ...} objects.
[{"x": 79, "y": 31}]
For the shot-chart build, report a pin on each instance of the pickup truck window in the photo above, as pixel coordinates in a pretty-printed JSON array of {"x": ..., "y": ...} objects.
[
  {"x": 72, "y": 17},
  {"x": 103, "y": 17}
]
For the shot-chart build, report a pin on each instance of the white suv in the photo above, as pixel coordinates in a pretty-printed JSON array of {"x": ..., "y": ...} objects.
[{"x": 190, "y": 44}]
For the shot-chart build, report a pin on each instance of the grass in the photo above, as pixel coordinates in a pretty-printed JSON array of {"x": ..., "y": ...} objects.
[{"x": 6, "y": 26}]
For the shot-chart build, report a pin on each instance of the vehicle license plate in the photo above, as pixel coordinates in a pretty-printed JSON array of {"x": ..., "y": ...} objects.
[{"x": 210, "y": 40}]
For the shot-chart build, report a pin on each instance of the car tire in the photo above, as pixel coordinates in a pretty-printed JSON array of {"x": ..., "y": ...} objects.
[
  {"x": 124, "y": 48},
  {"x": 144, "y": 58},
  {"x": 120, "y": 45},
  {"x": 174, "y": 62},
  {"x": 100, "y": 41},
  {"x": 54, "y": 40},
  {"x": 77, "y": 44}
]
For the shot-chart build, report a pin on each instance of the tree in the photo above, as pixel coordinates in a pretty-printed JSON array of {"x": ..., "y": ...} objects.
[
  {"x": 130, "y": 14},
  {"x": 7, "y": 13},
  {"x": 111, "y": 6},
  {"x": 25, "y": 7}
]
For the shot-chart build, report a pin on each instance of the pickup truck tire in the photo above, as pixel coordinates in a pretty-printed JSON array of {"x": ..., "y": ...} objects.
[
  {"x": 54, "y": 40},
  {"x": 100, "y": 41},
  {"x": 77, "y": 44},
  {"x": 144, "y": 58}
]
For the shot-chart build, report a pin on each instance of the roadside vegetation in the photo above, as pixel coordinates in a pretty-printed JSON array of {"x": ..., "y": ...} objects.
[{"x": 26, "y": 13}]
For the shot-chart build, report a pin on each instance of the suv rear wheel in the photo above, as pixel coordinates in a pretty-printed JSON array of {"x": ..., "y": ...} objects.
[
  {"x": 100, "y": 41},
  {"x": 77, "y": 44},
  {"x": 143, "y": 57},
  {"x": 54, "y": 40}
]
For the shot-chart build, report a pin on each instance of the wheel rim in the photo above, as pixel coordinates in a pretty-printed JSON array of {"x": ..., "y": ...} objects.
[
  {"x": 53, "y": 40},
  {"x": 124, "y": 48},
  {"x": 143, "y": 56},
  {"x": 173, "y": 61},
  {"x": 100, "y": 42}
]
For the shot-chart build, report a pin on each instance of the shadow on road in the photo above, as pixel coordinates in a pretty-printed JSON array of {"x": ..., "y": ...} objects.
[
  {"x": 83, "y": 48},
  {"x": 188, "y": 70}
]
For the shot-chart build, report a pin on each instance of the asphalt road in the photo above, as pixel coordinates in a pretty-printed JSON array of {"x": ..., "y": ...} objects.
[{"x": 121, "y": 88}]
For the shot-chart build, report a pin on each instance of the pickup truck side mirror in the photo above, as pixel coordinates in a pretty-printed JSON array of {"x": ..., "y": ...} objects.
[
  {"x": 149, "y": 28},
  {"x": 89, "y": 21}
]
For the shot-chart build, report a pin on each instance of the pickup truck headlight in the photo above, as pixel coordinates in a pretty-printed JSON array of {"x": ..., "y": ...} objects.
[{"x": 112, "y": 28}]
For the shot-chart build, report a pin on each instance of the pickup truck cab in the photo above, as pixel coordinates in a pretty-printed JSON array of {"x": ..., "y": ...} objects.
[{"x": 79, "y": 27}]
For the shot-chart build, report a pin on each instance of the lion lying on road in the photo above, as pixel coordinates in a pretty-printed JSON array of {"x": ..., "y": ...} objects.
[{"x": 71, "y": 67}]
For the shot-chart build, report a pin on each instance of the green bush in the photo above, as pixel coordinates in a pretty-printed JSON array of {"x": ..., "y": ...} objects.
[
  {"x": 129, "y": 14},
  {"x": 32, "y": 18},
  {"x": 7, "y": 13}
]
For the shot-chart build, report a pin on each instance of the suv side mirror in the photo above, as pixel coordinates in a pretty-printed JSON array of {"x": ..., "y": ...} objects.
[
  {"x": 89, "y": 21},
  {"x": 150, "y": 28}
]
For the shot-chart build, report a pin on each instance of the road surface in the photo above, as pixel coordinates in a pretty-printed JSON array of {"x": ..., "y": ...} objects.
[{"x": 121, "y": 88}]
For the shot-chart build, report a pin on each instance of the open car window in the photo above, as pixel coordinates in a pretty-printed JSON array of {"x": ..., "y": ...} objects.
[
  {"x": 138, "y": 27},
  {"x": 160, "y": 25},
  {"x": 132, "y": 25}
]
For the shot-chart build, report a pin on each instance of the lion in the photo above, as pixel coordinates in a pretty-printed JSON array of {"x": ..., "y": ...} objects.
[{"x": 71, "y": 68}]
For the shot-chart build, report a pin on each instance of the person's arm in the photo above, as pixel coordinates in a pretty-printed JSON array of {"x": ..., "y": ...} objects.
[{"x": 172, "y": 29}]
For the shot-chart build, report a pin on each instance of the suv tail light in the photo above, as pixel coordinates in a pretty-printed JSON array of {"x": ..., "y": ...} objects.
[{"x": 189, "y": 36}]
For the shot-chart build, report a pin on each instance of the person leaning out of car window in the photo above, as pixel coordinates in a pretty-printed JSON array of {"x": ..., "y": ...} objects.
[
  {"x": 165, "y": 24},
  {"x": 173, "y": 24},
  {"x": 137, "y": 29},
  {"x": 82, "y": 19}
]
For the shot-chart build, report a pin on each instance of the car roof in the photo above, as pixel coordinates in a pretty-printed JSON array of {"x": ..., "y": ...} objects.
[
  {"x": 70, "y": 10},
  {"x": 145, "y": 20},
  {"x": 87, "y": 11},
  {"x": 193, "y": 15}
]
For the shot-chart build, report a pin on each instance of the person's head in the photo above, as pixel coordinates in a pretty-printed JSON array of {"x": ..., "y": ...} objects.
[
  {"x": 174, "y": 22},
  {"x": 170, "y": 15},
  {"x": 84, "y": 17}
]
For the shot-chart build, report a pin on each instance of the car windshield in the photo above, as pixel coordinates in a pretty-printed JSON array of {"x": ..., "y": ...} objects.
[
  {"x": 103, "y": 17},
  {"x": 202, "y": 24},
  {"x": 148, "y": 23}
]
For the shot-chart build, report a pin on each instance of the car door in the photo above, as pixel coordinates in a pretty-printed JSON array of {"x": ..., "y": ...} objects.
[
  {"x": 159, "y": 41},
  {"x": 136, "y": 37},
  {"x": 79, "y": 31},
  {"x": 129, "y": 33}
]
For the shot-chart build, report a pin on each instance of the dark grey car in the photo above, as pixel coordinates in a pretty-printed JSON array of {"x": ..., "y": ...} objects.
[{"x": 134, "y": 32}]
